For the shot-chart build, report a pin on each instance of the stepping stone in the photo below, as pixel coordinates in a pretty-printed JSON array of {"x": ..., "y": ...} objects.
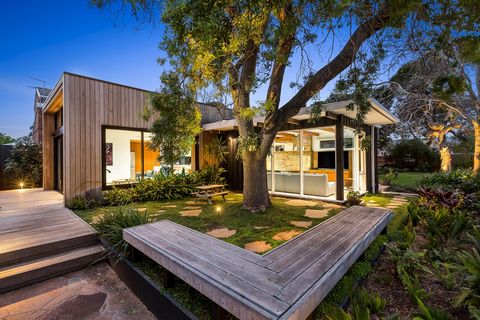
[
  {"x": 260, "y": 228},
  {"x": 193, "y": 202},
  {"x": 170, "y": 206},
  {"x": 258, "y": 246},
  {"x": 160, "y": 211},
  {"x": 330, "y": 205},
  {"x": 221, "y": 233},
  {"x": 301, "y": 203},
  {"x": 301, "y": 224},
  {"x": 191, "y": 213},
  {"x": 316, "y": 213},
  {"x": 191, "y": 208},
  {"x": 286, "y": 235},
  {"x": 141, "y": 209}
]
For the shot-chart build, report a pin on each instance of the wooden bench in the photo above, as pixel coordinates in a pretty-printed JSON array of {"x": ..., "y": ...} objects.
[{"x": 286, "y": 283}]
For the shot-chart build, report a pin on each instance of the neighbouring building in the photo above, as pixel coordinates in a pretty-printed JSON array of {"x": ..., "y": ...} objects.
[
  {"x": 94, "y": 137},
  {"x": 41, "y": 95}
]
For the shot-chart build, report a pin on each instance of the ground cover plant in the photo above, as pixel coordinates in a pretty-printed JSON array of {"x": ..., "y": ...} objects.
[{"x": 431, "y": 266}]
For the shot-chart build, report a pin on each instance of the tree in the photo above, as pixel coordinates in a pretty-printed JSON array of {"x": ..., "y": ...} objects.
[
  {"x": 25, "y": 162},
  {"x": 177, "y": 119},
  {"x": 435, "y": 94},
  {"x": 235, "y": 47},
  {"x": 4, "y": 139}
]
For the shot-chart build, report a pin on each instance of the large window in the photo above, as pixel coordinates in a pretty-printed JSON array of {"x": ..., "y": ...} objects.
[
  {"x": 123, "y": 156},
  {"x": 129, "y": 157}
]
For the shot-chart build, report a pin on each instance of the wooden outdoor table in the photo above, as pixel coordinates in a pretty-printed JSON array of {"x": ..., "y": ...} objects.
[{"x": 209, "y": 191}]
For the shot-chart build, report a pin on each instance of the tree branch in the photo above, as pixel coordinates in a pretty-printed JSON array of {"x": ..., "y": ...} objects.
[{"x": 344, "y": 59}]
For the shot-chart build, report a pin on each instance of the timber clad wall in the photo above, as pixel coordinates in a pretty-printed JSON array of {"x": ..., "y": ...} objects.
[{"x": 89, "y": 104}]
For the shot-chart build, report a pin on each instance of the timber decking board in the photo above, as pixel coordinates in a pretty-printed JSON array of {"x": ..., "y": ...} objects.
[
  {"x": 296, "y": 276},
  {"x": 27, "y": 229}
]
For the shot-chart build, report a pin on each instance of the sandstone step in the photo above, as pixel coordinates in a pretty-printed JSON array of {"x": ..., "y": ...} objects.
[{"x": 27, "y": 272}]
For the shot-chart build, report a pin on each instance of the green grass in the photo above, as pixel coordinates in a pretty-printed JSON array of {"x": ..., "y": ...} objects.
[
  {"x": 230, "y": 214},
  {"x": 406, "y": 181},
  {"x": 381, "y": 200}
]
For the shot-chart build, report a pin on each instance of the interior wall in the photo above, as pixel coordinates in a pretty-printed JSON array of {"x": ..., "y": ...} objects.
[{"x": 121, "y": 154}]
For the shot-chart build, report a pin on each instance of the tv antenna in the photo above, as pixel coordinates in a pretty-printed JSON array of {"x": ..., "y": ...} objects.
[{"x": 38, "y": 80}]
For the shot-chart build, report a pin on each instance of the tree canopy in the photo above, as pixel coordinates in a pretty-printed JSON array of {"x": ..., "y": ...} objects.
[
  {"x": 177, "y": 119},
  {"x": 4, "y": 138}
]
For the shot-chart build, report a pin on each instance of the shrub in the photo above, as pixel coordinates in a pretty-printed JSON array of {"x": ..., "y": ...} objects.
[
  {"x": 414, "y": 154},
  {"x": 353, "y": 199},
  {"x": 82, "y": 203},
  {"x": 110, "y": 226},
  {"x": 118, "y": 196},
  {"x": 462, "y": 179},
  {"x": 164, "y": 186},
  {"x": 25, "y": 162}
]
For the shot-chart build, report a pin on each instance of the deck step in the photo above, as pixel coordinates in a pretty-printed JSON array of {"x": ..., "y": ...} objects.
[
  {"x": 27, "y": 272},
  {"x": 31, "y": 248}
]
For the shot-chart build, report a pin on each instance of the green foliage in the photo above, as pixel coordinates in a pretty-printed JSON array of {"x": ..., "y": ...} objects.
[
  {"x": 4, "y": 139},
  {"x": 177, "y": 119},
  {"x": 110, "y": 226},
  {"x": 118, "y": 196},
  {"x": 82, "y": 203},
  {"x": 462, "y": 179},
  {"x": 25, "y": 163},
  {"x": 414, "y": 154},
  {"x": 217, "y": 149},
  {"x": 468, "y": 268},
  {"x": 353, "y": 199},
  {"x": 164, "y": 186}
]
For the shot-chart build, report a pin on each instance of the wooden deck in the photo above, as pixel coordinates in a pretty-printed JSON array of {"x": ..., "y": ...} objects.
[
  {"x": 285, "y": 283},
  {"x": 40, "y": 238}
]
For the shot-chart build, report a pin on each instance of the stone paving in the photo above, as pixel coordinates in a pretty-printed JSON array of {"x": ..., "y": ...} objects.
[
  {"x": 301, "y": 203},
  {"x": 301, "y": 224},
  {"x": 286, "y": 235},
  {"x": 222, "y": 233},
  {"x": 191, "y": 213},
  {"x": 316, "y": 213},
  {"x": 89, "y": 294},
  {"x": 258, "y": 246}
]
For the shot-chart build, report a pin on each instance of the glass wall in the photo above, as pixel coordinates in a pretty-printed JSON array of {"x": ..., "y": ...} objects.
[
  {"x": 122, "y": 156},
  {"x": 319, "y": 157},
  {"x": 286, "y": 162},
  {"x": 304, "y": 162},
  {"x": 129, "y": 157}
]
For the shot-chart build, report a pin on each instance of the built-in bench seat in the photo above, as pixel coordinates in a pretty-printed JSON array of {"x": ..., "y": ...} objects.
[{"x": 285, "y": 283}]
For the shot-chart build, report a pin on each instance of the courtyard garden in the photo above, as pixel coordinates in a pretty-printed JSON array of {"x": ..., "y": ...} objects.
[{"x": 425, "y": 267}]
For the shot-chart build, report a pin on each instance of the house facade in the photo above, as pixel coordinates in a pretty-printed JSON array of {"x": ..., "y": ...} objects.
[{"x": 94, "y": 137}]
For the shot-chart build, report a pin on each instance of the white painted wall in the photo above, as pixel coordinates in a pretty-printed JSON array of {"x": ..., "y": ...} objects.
[{"x": 122, "y": 160}]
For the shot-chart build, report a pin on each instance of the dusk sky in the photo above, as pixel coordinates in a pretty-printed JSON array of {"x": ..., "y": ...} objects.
[{"x": 41, "y": 39}]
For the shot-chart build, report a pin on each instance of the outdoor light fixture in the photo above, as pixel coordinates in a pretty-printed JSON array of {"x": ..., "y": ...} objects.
[
  {"x": 218, "y": 208},
  {"x": 21, "y": 185}
]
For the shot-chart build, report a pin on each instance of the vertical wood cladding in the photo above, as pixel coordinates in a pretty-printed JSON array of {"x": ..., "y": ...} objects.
[{"x": 89, "y": 104}]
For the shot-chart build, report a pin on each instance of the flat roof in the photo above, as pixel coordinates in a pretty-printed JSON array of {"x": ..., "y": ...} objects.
[{"x": 377, "y": 115}]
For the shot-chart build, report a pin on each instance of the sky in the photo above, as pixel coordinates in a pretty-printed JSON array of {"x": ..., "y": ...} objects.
[{"x": 41, "y": 39}]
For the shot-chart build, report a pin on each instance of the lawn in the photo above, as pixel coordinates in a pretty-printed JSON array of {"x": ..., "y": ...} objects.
[
  {"x": 230, "y": 214},
  {"x": 406, "y": 181}
]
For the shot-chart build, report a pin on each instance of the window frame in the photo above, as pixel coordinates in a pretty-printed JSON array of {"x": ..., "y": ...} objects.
[{"x": 104, "y": 165}]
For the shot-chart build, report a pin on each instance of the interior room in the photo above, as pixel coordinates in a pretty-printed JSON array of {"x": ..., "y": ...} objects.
[{"x": 304, "y": 162}]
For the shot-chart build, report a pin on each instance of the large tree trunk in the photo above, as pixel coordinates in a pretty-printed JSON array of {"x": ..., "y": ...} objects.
[
  {"x": 476, "y": 151},
  {"x": 255, "y": 189},
  {"x": 446, "y": 159}
]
